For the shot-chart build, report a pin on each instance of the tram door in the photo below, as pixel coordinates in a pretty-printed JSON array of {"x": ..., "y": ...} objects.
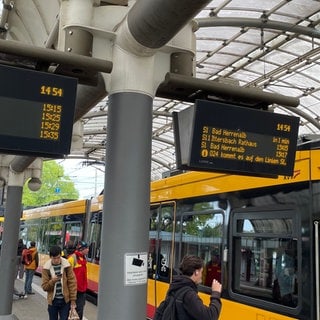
[
  {"x": 200, "y": 233},
  {"x": 197, "y": 232},
  {"x": 161, "y": 242}
]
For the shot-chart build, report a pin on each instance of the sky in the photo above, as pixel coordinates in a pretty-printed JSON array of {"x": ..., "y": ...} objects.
[{"x": 89, "y": 181}]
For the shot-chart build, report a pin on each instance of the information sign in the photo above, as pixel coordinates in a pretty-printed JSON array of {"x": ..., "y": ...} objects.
[
  {"x": 36, "y": 112},
  {"x": 215, "y": 136},
  {"x": 135, "y": 268}
]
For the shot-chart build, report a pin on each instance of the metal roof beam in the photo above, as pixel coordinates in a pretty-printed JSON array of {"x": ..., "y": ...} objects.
[
  {"x": 304, "y": 115},
  {"x": 163, "y": 140},
  {"x": 261, "y": 23},
  {"x": 162, "y": 163}
]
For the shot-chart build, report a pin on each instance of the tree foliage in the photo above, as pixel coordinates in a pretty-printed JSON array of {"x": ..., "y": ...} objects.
[{"x": 55, "y": 186}]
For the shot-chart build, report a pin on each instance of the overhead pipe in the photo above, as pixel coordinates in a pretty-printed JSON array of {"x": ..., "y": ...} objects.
[{"x": 154, "y": 23}]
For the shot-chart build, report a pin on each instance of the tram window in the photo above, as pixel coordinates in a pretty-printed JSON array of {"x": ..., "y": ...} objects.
[
  {"x": 54, "y": 234},
  {"x": 42, "y": 247},
  {"x": 201, "y": 235},
  {"x": 94, "y": 237},
  {"x": 265, "y": 259},
  {"x": 160, "y": 242},
  {"x": 30, "y": 233},
  {"x": 73, "y": 232}
]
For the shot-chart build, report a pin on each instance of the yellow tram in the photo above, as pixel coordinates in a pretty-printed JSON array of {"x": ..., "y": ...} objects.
[{"x": 257, "y": 235}]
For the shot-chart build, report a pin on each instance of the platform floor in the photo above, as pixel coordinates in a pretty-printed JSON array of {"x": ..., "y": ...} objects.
[{"x": 34, "y": 307}]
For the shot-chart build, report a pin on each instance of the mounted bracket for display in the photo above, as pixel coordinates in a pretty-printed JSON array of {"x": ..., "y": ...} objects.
[
  {"x": 82, "y": 67},
  {"x": 187, "y": 88},
  {"x": 37, "y": 112},
  {"x": 213, "y": 136}
]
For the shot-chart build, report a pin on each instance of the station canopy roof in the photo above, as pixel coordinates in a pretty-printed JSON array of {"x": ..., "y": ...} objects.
[{"x": 273, "y": 45}]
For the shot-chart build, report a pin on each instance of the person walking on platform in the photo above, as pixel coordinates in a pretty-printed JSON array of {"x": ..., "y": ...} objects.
[
  {"x": 79, "y": 263},
  {"x": 20, "y": 266},
  {"x": 190, "y": 306},
  {"x": 59, "y": 281},
  {"x": 30, "y": 268}
]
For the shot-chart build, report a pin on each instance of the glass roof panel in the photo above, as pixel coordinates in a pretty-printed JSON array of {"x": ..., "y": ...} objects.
[{"x": 266, "y": 53}]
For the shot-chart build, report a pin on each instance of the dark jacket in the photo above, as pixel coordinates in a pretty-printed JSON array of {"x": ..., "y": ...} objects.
[
  {"x": 20, "y": 248},
  {"x": 192, "y": 307}
]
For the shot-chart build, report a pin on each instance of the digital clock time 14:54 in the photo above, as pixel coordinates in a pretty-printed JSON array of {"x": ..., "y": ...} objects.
[{"x": 51, "y": 91}]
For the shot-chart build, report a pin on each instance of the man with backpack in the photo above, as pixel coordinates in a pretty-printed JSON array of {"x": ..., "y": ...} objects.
[
  {"x": 31, "y": 261},
  {"x": 182, "y": 300}
]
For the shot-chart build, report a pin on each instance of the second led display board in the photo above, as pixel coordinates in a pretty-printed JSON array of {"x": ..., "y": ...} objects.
[{"x": 214, "y": 136}]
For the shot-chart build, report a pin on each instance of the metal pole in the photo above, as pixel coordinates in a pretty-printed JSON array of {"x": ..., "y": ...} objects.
[
  {"x": 8, "y": 260},
  {"x": 126, "y": 207},
  {"x": 317, "y": 268}
]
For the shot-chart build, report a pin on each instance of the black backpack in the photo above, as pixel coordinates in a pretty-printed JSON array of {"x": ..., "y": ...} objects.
[{"x": 167, "y": 308}]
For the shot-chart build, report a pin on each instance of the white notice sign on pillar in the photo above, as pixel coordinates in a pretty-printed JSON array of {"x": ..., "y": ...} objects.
[{"x": 135, "y": 269}]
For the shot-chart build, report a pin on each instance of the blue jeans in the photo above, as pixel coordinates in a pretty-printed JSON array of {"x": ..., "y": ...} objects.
[
  {"x": 28, "y": 281},
  {"x": 58, "y": 308}
]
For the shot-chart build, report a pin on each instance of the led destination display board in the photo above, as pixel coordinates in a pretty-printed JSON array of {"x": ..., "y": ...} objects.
[
  {"x": 36, "y": 112},
  {"x": 214, "y": 136}
]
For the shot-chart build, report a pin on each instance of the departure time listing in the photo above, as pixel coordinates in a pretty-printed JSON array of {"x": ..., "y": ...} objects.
[
  {"x": 51, "y": 121},
  {"x": 243, "y": 146}
]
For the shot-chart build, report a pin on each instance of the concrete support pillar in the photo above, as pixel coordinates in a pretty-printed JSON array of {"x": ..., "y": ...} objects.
[
  {"x": 8, "y": 259},
  {"x": 126, "y": 207},
  {"x": 138, "y": 69}
]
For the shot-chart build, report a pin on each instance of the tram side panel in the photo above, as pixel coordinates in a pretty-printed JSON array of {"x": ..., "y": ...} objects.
[{"x": 267, "y": 265}]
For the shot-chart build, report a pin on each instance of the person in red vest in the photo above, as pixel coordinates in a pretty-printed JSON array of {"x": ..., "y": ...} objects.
[{"x": 79, "y": 263}]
